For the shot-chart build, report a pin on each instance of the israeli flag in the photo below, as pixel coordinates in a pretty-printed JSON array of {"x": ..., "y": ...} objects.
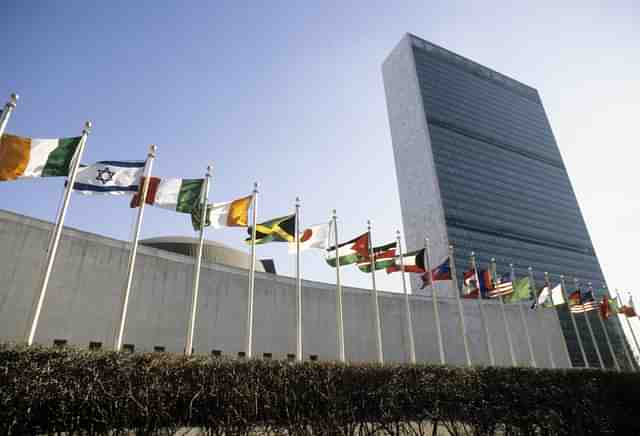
[{"x": 109, "y": 177}]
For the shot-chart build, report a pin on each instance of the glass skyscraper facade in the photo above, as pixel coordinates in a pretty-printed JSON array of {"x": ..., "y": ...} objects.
[{"x": 478, "y": 167}]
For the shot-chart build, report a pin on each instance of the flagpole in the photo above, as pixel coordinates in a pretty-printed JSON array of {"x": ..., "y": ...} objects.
[
  {"x": 339, "y": 318},
  {"x": 606, "y": 334},
  {"x": 412, "y": 345},
  {"x": 198, "y": 264},
  {"x": 117, "y": 345},
  {"x": 547, "y": 283},
  {"x": 593, "y": 337},
  {"x": 633, "y": 335},
  {"x": 573, "y": 321},
  {"x": 494, "y": 277},
  {"x": 6, "y": 113},
  {"x": 57, "y": 231},
  {"x": 434, "y": 300},
  {"x": 625, "y": 346},
  {"x": 532, "y": 357},
  {"x": 252, "y": 276},
  {"x": 456, "y": 290},
  {"x": 483, "y": 317},
  {"x": 299, "y": 285},
  {"x": 374, "y": 295}
]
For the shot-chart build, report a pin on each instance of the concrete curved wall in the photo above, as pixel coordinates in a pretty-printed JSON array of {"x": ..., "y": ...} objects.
[
  {"x": 84, "y": 299},
  {"x": 213, "y": 252}
]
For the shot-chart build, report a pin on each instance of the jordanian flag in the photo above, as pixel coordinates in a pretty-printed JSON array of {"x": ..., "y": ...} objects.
[
  {"x": 350, "y": 251},
  {"x": 30, "y": 157},
  {"x": 384, "y": 256},
  {"x": 413, "y": 262},
  {"x": 281, "y": 229},
  {"x": 180, "y": 195}
]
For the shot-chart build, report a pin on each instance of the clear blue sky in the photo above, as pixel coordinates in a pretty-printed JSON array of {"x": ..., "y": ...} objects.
[{"x": 291, "y": 95}]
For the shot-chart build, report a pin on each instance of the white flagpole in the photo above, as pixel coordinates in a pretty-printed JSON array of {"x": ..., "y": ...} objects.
[
  {"x": 407, "y": 304},
  {"x": 339, "y": 318},
  {"x": 204, "y": 197},
  {"x": 532, "y": 357},
  {"x": 6, "y": 113},
  {"x": 532, "y": 290},
  {"x": 633, "y": 334},
  {"x": 606, "y": 336},
  {"x": 456, "y": 290},
  {"x": 573, "y": 321},
  {"x": 374, "y": 296},
  {"x": 623, "y": 337},
  {"x": 492, "y": 360},
  {"x": 547, "y": 283},
  {"x": 117, "y": 345},
  {"x": 434, "y": 300},
  {"x": 503, "y": 311},
  {"x": 57, "y": 232},
  {"x": 298, "y": 285},
  {"x": 593, "y": 337},
  {"x": 252, "y": 276},
  {"x": 627, "y": 348}
]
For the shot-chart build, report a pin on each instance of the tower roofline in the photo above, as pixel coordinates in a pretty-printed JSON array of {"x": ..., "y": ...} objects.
[{"x": 472, "y": 67}]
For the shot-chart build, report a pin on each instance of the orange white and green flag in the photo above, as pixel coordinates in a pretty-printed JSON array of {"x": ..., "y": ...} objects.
[{"x": 30, "y": 157}]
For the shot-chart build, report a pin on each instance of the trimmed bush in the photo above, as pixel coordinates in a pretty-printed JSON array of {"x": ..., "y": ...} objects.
[{"x": 47, "y": 390}]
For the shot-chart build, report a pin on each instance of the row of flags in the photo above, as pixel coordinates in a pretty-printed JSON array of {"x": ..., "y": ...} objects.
[{"x": 27, "y": 158}]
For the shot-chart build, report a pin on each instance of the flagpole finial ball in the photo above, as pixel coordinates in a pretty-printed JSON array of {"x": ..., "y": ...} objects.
[
  {"x": 14, "y": 99},
  {"x": 87, "y": 126},
  {"x": 255, "y": 187},
  {"x": 510, "y": 265},
  {"x": 473, "y": 253},
  {"x": 152, "y": 150},
  {"x": 298, "y": 200},
  {"x": 493, "y": 259},
  {"x": 530, "y": 269},
  {"x": 561, "y": 276}
]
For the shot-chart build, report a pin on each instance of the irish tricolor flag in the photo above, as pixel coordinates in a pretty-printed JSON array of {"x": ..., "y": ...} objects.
[
  {"x": 30, "y": 157},
  {"x": 181, "y": 195}
]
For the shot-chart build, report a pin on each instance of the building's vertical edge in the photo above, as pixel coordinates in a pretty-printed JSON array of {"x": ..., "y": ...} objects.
[{"x": 420, "y": 201}]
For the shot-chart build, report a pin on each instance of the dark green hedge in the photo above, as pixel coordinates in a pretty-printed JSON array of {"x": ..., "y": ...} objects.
[{"x": 83, "y": 392}]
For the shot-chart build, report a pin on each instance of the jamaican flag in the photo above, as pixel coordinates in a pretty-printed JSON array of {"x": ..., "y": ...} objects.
[{"x": 276, "y": 230}]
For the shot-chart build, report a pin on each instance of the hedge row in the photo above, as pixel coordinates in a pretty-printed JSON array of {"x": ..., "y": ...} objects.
[{"x": 48, "y": 390}]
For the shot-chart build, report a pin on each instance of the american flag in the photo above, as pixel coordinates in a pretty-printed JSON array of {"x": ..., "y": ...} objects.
[
  {"x": 582, "y": 303},
  {"x": 503, "y": 287}
]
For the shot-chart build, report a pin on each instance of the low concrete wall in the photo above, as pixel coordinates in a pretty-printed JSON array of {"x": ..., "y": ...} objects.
[{"x": 84, "y": 299}]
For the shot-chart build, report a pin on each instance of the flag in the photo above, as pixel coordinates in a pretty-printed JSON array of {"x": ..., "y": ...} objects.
[
  {"x": 486, "y": 282},
  {"x": 503, "y": 288},
  {"x": 470, "y": 285},
  {"x": 413, "y": 263},
  {"x": 589, "y": 303},
  {"x": 606, "y": 307},
  {"x": 30, "y": 157},
  {"x": 180, "y": 195},
  {"x": 384, "y": 256},
  {"x": 575, "y": 302},
  {"x": 228, "y": 214},
  {"x": 521, "y": 291},
  {"x": 280, "y": 229},
  {"x": 439, "y": 273},
  {"x": 109, "y": 177},
  {"x": 316, "y": 236},
  {"x": 557, "y": 298},
  {"x": 628, "y": 309},
  {"x": 350, "y": 251},
  {"x": 543, "y": 295}
]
